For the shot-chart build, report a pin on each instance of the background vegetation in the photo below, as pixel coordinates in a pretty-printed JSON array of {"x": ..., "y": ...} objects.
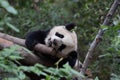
[{"x": 17, "y": 17}]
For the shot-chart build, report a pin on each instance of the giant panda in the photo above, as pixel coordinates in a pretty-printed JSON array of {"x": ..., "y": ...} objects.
[{"x": 61, "y": 38}]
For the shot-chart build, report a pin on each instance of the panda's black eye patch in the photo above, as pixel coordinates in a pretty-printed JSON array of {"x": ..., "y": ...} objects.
[{"x": 59, "y": 35}]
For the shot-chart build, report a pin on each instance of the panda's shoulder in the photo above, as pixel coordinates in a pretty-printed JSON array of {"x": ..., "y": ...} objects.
[{"x": 42, "y": 31}]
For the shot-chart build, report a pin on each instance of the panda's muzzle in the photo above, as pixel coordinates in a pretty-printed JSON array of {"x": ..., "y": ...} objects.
[
  {"x": 55, "y": 42},
  {"x": 52, "y": 43}
]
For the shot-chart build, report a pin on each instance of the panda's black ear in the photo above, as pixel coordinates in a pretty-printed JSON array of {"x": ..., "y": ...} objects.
[{"x": 70, "y": 26}]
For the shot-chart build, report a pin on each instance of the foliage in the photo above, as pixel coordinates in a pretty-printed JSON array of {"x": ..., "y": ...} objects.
[
  {"x": 10, "y": 71},
  {"x": 54, "y": 73},
  {"x": 115, "y": 77},
  {"x": 8, "y": 58},
  {"x": 96, "y": 78},
  {"x": 6, "y": 20}
]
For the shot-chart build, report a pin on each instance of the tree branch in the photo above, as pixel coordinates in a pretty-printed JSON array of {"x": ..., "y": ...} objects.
[
  {"x": 28, "y": 58},
  {"x": 99, "y": 36}
]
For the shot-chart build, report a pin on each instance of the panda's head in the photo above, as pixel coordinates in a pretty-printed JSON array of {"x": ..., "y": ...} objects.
[{"x": 62, "y": 39}]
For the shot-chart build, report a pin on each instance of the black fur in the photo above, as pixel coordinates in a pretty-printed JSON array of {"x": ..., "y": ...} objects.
[
  {"x": 72, "y": 58},
  {"x": 62, "y": 47},
  {"x": 59, "y": 35},
  {"x": 36, "y": 37},
  {"x": 70, "y": 26}
]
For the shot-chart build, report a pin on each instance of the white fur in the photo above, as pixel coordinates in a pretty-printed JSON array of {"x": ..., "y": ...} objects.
[
  {"x": 70, "y": 39},
  {"x": 77, "y": 65}
]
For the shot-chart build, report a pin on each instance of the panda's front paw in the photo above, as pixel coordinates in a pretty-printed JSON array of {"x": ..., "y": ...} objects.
[{"x": 30, "y": 44}]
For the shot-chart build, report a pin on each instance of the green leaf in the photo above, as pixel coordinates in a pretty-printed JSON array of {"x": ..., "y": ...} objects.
[
  {"x": 21, "y": 75},
  {"x": 105, "y": 55},
  {"x": 12, "y": 27},
  {"x": 96, "y": 78},
  {"x": 3, "y": 66},
  {"x": 104, "y": 27},
  {"x": 1, "y": 58},
  {"x": 74, "y": 72},
  {"x": 25, "y": 68},
  {"x": 4, "y": 3},
  {"x": 63, "y": 71},
  {"x": 50, "y": 70},
  {"x": 115, "y": 22},
  {"x": 13, "y": 57},
  {"x": 48, "y": 77},
  {"x": 11, "y": 79},
  {"x": 10, "y": 9},
  {"x": 117, "y": 27},
  {"x": 40, "y": 66}
]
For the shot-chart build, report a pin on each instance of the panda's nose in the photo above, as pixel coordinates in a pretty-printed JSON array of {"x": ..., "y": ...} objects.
[{"x": 55, "y": 42}]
